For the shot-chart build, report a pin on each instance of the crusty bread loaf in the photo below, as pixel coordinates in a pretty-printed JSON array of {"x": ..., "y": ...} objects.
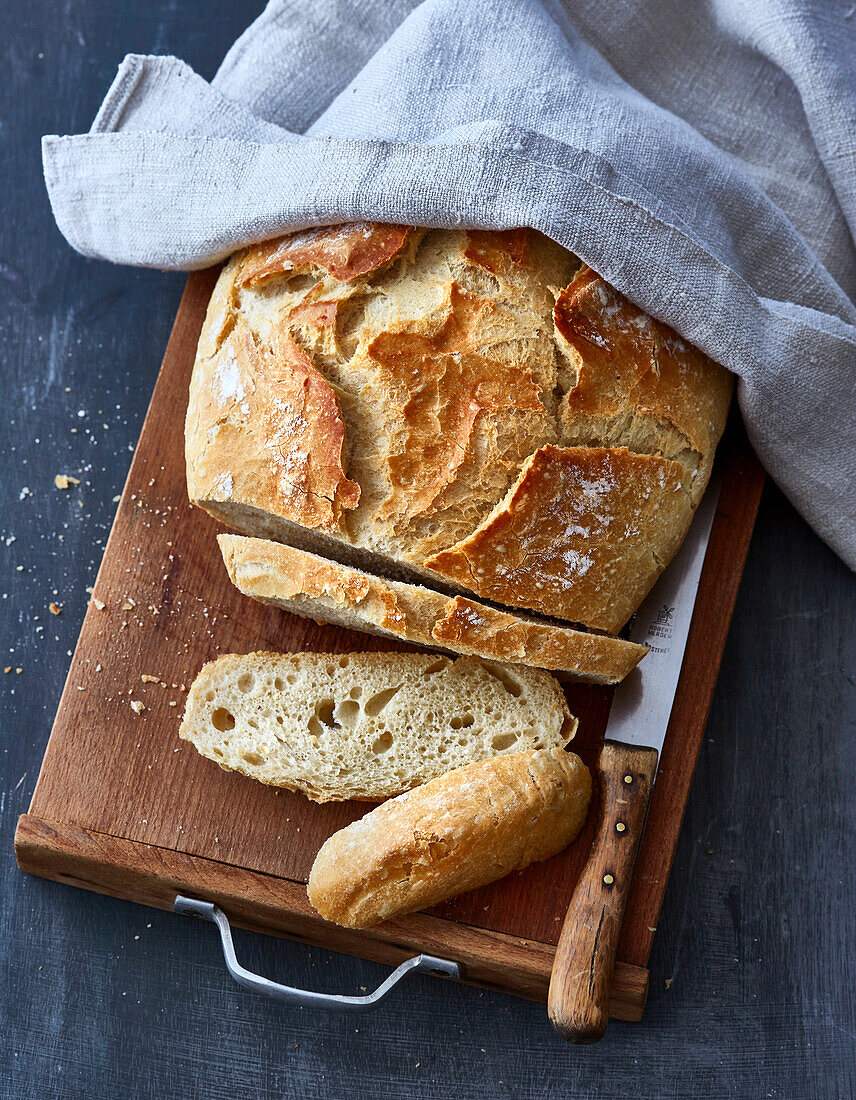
[
  {"x": 318, "y": 588},
  {"x": 367, "y": 725},
  {"x": 472, "y": 407},
  {"x": 461, "y": 830}
]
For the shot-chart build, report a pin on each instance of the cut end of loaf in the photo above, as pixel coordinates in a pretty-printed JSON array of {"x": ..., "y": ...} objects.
[
  {"x": 460, "y": 831},
  {"x": 367, "y": 726}
]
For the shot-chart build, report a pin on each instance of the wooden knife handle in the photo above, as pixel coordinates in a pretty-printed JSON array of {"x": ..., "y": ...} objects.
[{"x": 585, "y": 956}]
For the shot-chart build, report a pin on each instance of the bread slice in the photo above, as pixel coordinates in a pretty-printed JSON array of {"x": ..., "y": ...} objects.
[
  {"x": 459, "y": 831},
  {"x": 367, "y": 725},
  {"x": 317, "y": 588}
]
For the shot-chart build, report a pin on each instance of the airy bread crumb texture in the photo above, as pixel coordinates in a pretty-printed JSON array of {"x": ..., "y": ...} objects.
[
  {"x": 367, "y": 726},
  {"x": 455, "y": 833}
]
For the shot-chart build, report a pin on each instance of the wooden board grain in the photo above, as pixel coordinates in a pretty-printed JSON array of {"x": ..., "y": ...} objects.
[{"x": 168, "y": 607}]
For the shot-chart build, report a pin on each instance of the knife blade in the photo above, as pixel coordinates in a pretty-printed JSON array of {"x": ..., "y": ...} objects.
[{"x": 578, "y": 998}]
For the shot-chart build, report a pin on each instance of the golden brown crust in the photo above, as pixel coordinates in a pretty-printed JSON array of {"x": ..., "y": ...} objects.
[
  {"x": 455, "y": 833},
  {"x": 428, "y": 374},
  {"x": 278, "y": 423},
  {"x": 346, "y": 252},
  {"x": 439, "y": 386},
  {"x": 582, "y": 535},
  {"x": 494, "y": 249},
  {"x": 320, "y": 589},
  {"x": 626, "y": 361}
]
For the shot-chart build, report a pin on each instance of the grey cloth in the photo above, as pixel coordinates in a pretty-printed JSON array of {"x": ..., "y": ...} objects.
[{"x": 700, "y": 156}]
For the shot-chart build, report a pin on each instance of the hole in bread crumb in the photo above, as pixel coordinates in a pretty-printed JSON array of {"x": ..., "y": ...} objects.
[
  {"x": 503, "y": 741},
  {"x": 278, "y": 684},
  {"x": 355, "y": 692},
  {"x": 464, "y": 722},
  {"x": 222, "y": 719},
  {"x": 324, "y": 711},
  {"x": 246, "y": 682},
  {"x": 567, "y": 730},
  {"x": 315, "y": 727},
  {"x": 344, "y": 661},
  {"x": 511, "y": 685},
  {"x": 252, "y": 758},
  {"x": 382, "y": 744},
  {"x": 348, "y": 713},
  {"x": 297, "y": 284},
  {"x": 252, "y": 722},
  {"x": 217, "y": 753},
  {"x": 377, "y": 702},
  {"x": 291, "y": 678},
  {"x": 438, "y": 666},
  {"x": 209, "y": 696}
]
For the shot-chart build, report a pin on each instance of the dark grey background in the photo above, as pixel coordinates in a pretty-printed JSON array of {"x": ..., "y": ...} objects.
[{"x": 752, "y": 970}]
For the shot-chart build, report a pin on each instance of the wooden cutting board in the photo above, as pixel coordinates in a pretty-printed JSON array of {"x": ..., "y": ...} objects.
[{"x": 125, "y": 808}]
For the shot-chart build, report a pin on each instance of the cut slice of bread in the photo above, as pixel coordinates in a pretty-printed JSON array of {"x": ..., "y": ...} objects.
[
  {"x": 367, "y": 726},
  {"x": 318, "y": 588}
]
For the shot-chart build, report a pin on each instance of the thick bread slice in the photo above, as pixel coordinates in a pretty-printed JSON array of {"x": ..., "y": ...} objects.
[
  {"x": 367, "y": 725},
  {"x": 317, "y": 588},
  {"x": 462, "y": 830}
]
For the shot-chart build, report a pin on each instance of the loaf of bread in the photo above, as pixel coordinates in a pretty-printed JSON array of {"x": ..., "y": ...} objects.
[
  {"x": 474, "y": 409},
  {"x": 461, "y": 830},
  {"x": 320, "y": 589},
  {"x": 367, "y": 725}
]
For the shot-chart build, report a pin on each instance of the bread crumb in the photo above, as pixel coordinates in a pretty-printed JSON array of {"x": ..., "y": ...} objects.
[
  {"x": 137, "y": 706},
  {"x": 129, "y": 604},
  {"x": 54, "y": 609},
  {"x": 65, "y": 481},
  {"x": 99, "y": 604},
  {"x": 149, "y": 679},
  {"x": 18, "y": 671},
  {"x": 8, "y": 668}
]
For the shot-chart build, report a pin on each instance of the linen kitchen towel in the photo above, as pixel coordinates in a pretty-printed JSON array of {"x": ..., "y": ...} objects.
[{"x": 701, "y": 156}]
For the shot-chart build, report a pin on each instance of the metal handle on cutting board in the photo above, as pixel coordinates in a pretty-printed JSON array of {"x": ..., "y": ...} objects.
[{"x": 306, "y": 997}]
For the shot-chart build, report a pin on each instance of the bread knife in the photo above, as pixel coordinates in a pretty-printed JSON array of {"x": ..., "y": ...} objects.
[{"x": 578, "y": 998}]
